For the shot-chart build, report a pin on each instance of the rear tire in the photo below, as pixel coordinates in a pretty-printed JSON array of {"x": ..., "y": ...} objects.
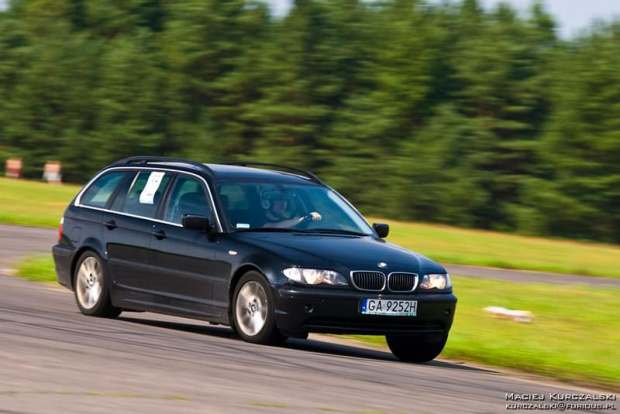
[
  {"x": 253, "y": 312},
  {"x": 91, "y": 287},
  {"x": 415, "y": 349}
]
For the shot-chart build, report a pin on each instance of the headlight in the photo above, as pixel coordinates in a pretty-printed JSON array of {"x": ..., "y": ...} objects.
[
  {"x": 315, "y": 276},
  {"x": 436, "y": 281}
]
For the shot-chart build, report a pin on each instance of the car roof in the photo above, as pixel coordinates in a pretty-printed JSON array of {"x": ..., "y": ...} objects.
[
  {"x": 224, "y": 172},
  {"x": 228, "y": 172}
]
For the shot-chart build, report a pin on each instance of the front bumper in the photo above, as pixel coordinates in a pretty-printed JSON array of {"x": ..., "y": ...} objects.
[{"x": 302, "y": 310}]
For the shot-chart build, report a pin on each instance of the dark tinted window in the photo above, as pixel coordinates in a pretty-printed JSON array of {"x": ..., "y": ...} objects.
[
  {"x": 233, "y": 197},
  {"x": 98, "y": 194},
  {"x": 188, "y": 196},
  {"x": 146, "y": 193}
]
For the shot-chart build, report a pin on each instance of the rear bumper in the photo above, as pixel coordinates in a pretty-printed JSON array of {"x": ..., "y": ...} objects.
[
  {"x": 63, "y": 258},
  {"x": 303, "y": 310}
]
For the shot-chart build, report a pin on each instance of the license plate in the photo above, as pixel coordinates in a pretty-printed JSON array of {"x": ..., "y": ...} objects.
[{"x": 389, "y": 307}]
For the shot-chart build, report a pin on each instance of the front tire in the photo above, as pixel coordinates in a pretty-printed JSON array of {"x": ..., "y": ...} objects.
[
  {"x": 253, "y": 311},
  {"x": 415, "y": 349},
  {"x": 91, "y": 287}
]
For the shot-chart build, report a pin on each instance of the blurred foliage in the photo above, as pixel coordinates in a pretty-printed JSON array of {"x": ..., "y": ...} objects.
[{"x": 440, "y": 113}]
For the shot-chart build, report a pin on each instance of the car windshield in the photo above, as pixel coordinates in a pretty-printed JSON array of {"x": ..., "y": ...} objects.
[{"x": 259, "y": 206}]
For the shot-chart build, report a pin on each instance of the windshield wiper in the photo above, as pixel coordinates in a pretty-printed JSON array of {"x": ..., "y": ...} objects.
[
  {"x": 304, "y": 231},
  {"x": 334, "y": 231},
  {"x": 266, "y": 229}
]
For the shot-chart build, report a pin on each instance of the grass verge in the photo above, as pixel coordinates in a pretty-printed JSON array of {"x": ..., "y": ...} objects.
[
  {"x": 574, "y": 336},
  {"x": 37, "y": 268},
  {"x": 484, "y": 248}
]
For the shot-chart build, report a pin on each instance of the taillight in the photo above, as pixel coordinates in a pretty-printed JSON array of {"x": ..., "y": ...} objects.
[{"x": 62, "y": 220}]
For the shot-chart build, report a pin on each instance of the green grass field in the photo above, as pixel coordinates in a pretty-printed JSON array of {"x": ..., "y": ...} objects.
[
  {"x": 39, "y": 204},
  {"x": 484, "y": 248},
  {"x": 32, "y": 203},
  {"x": 574, "y": 335}
]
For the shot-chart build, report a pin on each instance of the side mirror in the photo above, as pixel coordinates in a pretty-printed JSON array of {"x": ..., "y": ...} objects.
[
  {"x": 195, "y": 222},
  {"x": 382, "y": 229}
]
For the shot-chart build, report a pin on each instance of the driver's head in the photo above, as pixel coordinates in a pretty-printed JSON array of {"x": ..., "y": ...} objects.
[{"x": 278, "y": 207}]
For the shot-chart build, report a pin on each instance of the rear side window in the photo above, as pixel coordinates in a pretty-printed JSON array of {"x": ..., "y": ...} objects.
[
  {"x": 99, "y": 193},
  {"x": 146, "y": 193},
  {"x": 121, "y": 193}
]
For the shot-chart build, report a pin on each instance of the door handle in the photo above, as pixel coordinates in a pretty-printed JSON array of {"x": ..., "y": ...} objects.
[
  {"x": 110, "y": 224},
  {"x": 159, "y": 234}
]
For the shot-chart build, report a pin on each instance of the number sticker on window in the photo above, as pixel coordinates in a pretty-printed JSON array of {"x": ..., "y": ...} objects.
[{"x": 148, "y": 194}]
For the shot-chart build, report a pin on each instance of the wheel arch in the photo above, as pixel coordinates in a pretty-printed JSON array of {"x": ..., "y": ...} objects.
[
  {"x": 89, "y": 245},
  {"x": 268, "y": 334},
  {"x": 242, "y": 270},
  {"x": 258, "y": 262}
]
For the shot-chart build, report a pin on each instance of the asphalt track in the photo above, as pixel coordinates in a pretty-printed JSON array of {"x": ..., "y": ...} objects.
[
  {"x": 55, "y": 360},
  {"x": 18, "y": 241}
]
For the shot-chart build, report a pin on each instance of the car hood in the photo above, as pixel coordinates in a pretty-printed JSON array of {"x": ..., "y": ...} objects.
[{"x": 341, "y": 253}]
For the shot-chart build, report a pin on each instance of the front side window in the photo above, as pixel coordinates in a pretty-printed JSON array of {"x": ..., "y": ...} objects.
[
  {"x": 188, "y": 196},
  {"x": 98, "y": 194},
  {"x": 146, "y": 193}
]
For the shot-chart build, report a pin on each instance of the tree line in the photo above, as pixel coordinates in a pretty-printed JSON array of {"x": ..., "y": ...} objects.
[{"x": 420, "y": 111}]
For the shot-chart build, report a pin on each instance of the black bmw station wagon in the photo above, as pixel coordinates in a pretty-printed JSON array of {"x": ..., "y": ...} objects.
[{"x": 268, "y": 249}]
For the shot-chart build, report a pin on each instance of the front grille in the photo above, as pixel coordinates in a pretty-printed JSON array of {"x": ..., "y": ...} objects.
[
  {"x": 402, "y": 282},
  {"x": 373, "y": 281}
]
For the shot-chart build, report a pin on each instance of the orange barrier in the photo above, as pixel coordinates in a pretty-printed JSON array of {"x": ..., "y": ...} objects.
[
  {"x": 14, "y": 167},
  {"x": 51, "y": 172}
]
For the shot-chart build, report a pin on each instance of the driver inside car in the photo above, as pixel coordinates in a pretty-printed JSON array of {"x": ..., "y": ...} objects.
[{"x": 279, "y": 214}]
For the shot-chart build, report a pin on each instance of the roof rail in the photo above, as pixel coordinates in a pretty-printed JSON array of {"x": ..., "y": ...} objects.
[
  {"x": 146, "y": 159},
  {"x": 306, "y": 173}
]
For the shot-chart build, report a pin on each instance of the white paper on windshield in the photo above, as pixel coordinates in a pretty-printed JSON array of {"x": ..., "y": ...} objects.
[{"x": 148, "y": 194}]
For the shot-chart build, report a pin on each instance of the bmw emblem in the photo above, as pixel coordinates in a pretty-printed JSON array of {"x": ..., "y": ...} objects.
[{"x": 382, "y": 265}]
